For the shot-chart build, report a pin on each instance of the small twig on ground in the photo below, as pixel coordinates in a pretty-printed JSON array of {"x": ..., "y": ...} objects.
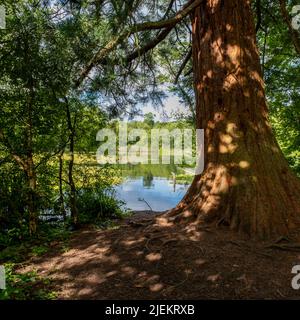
[{"x": 143, "y": 200}]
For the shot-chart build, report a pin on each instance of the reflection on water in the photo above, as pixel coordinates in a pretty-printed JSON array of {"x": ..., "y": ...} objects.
[
  {"x": 145, "y": 189},
  {"x": 148, "y": 181}
]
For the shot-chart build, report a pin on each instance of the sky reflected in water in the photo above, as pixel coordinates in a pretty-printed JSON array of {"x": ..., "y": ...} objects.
[{"x": 157, "y": 193}]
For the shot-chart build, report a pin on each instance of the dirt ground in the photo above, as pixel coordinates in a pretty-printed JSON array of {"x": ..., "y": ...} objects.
[{"x": 166, "y": 261}]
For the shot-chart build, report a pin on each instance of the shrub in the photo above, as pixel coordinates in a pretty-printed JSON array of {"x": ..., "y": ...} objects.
[{"x": 97, "y": 206}]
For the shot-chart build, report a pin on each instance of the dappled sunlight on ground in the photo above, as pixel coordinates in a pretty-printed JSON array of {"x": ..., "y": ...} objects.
[{"x": 162, "y": 260}]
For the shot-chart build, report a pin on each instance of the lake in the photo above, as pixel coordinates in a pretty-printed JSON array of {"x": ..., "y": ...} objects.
[{"x": 151, "y": 187}]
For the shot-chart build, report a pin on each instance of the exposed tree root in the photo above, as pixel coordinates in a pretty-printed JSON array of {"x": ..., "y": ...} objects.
[
  {"x": 282, "y": 238},
  {"x": 139, "y": 224},
  {"x": 172, "y": 287},
  {"x": 157, "y": 237},
  {"x": 237, "y": 243},
  {"x": 287, "y": 246},
  {"x": 167, "y": 242},
  {"x": 284, "y": 243},
  {"x": 243, "y": 244}
]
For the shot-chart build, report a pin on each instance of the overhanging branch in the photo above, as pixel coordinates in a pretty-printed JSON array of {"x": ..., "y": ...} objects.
[
  {"x": 149, "y": 46},
  {"x": 102, "y": 53},
  {"x": 183, "y": 65},
  {"x": 294, "y": 33},
  {"x": 152, "y": 25}
]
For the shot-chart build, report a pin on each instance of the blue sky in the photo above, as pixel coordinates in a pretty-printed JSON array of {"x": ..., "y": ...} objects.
[{"x": 171, "y": 105}]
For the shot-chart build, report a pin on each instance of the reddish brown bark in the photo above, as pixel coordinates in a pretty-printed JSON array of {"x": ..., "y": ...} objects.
[{"x": 247, "y": 183}]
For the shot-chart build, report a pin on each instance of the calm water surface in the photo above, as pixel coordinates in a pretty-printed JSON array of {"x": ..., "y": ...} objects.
[{"x": 149, "y": 190}]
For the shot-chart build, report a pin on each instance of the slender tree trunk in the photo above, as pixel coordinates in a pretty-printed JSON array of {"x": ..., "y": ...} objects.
[
  {"x": 31, "y": 176},
  {"x": 246, "y": 184},
  {"x": 61, "y": 193},
  {"x": 30, "y": 167},
  {"x": 27, "y": 166},
  {"x": 73, "y": 206}
]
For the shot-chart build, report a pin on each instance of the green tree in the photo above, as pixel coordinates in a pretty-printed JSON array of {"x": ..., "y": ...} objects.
[
  {"x": 247, "y": 183},
  {"x": 149, "y": 119}
]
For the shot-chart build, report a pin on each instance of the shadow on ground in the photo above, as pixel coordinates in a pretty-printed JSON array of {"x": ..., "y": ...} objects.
[{"x": 166, "y": 261}]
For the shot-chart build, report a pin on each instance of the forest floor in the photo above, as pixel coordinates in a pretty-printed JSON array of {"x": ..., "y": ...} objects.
[{"x": 166, "y": 261}]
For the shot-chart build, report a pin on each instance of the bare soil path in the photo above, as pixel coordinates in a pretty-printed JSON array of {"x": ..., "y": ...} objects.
[{"x": 166, "y": 261}]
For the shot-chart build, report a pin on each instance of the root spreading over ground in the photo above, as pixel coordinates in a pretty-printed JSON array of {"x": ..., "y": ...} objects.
[{"x": 149, "y": 257}]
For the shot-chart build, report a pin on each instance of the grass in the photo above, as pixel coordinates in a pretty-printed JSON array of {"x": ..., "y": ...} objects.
[
  {"x": 25, "y": 247},
  {"x": 26, "y": 286},
  {"x": 30, "y": 285}
]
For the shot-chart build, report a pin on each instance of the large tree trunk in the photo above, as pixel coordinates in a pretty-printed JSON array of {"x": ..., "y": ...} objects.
[{"x": 246, "y": 183}]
